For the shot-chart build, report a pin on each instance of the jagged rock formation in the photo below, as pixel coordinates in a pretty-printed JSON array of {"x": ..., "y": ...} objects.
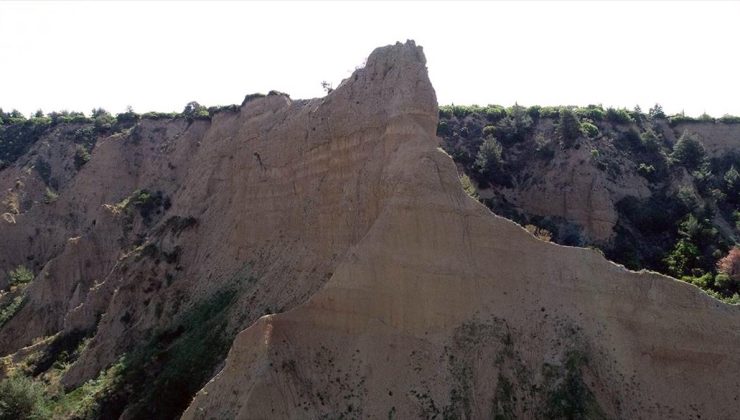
[
  {"x": 336, "y": 230},
  {"x": 443, "y": 309}
]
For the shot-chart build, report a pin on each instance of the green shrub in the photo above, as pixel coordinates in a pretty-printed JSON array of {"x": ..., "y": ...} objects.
[
  {"x": 21, "y": 275},
  {"x": 18, "y": 135},
  {"x": 195, "y": 111},
  {"x": 569, "y": 128},
  {"x": 159, "y": 116},
  {"x": 128, "y": 118},
  {"x": 50, "y": 196},
  {"x": 488, "y": 161},
  {"x": 618, "y": 116},
  {"x": 688, "y": 151},
  {"x": 684, "y": 256},
  {"x": 646, "y": 171},
  {"x": 730, "y": 119},
  {"x": 549, "y": 112},
  {"x": 631, "y": 139},
  {"x": 592, "y": 112},
  {"x": 489, "y": 131},
  {"x": 494, "y": 113},
  {"x": 650, "y": 142},
  {"x": 674, "y": 120},
  {"x": 732, "y": 184},
  {"x": 515, "y": 126},
  {"x": 656, "y": 112},
  {"x": 468, "y": 186},
  {"x": 82, "y": 156},
  {"x": 589, "y": 129},
  {"x": 21, "y": 398},
  {"x": 443, "y": 129}
]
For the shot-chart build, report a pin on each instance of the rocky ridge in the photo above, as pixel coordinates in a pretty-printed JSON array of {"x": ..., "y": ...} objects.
[{"x": 370, "y": 285}]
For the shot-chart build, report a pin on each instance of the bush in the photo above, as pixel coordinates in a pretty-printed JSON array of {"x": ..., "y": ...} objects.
[
  {"x": 656, "y": 112},
  {"x": 631, "y": 138},
  {"x": 468, "y": 186},
  {"x": 589, "y": 129},
  {"x": 646, "y": 171},
  {"x": 82, "y": 156},
  {"x": 21, "y": 398},
  {"x": 732, "y": 184},
  {"x": 515, "y": 126},
  {"x": 684, "y": 256},
  {"x": 618, "y": 116},
  {"x": 195, "y": 111},
  {"x": 494, "y": 113},
  {"x": 489, "y": 131},
  {"x": 650, "y": 141},
  {"x": 569, "y": 128},
  {"x": 730, "y": 119},
  {"x": 18, "y": 135},
  {"x": 592, "y": 112},
  {"x": 21, "y": 275},
  {"x": 127, "y": 118},
  {"x": 488, "y": 161},
  {"x": 688, "y": 151}
]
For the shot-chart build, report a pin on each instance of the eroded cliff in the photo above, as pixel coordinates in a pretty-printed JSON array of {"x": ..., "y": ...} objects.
[{"x": 370, "y": 285}]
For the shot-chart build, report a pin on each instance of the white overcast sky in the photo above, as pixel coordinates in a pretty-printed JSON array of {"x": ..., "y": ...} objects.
[{"x": 159, "y": 56}]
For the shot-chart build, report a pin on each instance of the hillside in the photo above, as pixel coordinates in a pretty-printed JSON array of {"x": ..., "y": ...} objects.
[
  {"x": 321, "y": 259},
  {"x": 651, "y": 191}
]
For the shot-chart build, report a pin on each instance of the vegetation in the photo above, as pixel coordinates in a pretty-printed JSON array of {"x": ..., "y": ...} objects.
[
  {"x": 21, "y": 398},
  {"x": 18, "y": 133},
  {"x": 688, "y": 151},
  {"x": 569, "y": 128},
  {"x": 672, "y": 231},
  {"x": 20, "y": 276}
]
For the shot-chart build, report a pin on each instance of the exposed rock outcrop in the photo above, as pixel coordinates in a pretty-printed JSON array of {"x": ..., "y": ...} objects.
[
  {"x": 334, "y": 234},
  {"x": 443, "y": 309}
]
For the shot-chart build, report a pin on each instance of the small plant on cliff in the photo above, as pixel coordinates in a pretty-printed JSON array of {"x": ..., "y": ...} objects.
[
  {"x": 468, "y": 186},
  {"x": 82, "y": 156},
  {"x": 21, "y": 275}
]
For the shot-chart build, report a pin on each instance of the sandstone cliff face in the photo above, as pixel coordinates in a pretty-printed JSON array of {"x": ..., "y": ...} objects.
[
  {"x": 445, "y": 310},
  {"x": 370, "y": 285}
]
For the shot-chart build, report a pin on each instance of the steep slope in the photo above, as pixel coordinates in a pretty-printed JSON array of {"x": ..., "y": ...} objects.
[
  {"x": 178, "y": 233},
  {"x": 445, "y": 310},
  {"x": 652, "y": 191}
]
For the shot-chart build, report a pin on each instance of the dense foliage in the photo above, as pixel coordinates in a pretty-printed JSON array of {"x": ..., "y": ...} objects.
[{"x": 673, "y": 231}]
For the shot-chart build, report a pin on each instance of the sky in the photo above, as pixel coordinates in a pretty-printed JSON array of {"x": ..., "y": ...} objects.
[{"x": 157, "y": 56}]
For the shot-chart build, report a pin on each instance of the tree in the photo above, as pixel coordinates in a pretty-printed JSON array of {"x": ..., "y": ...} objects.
[
  {"x": 732, "y": 181},
  {"x": 688, "y": 151},
  {"x": 656, "y": 112},
  {"x": 327, "y": 86},
  {"x": 488, "y": 160},
  {"x": 21, "y": 398},
  {"x": 684, "y": 256},
  {"x": 515, "y": 126},
  {"x": 730, "y": 264},
  {"x": 193, "y": 111},
  {"x": 569, "y": 128}
]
